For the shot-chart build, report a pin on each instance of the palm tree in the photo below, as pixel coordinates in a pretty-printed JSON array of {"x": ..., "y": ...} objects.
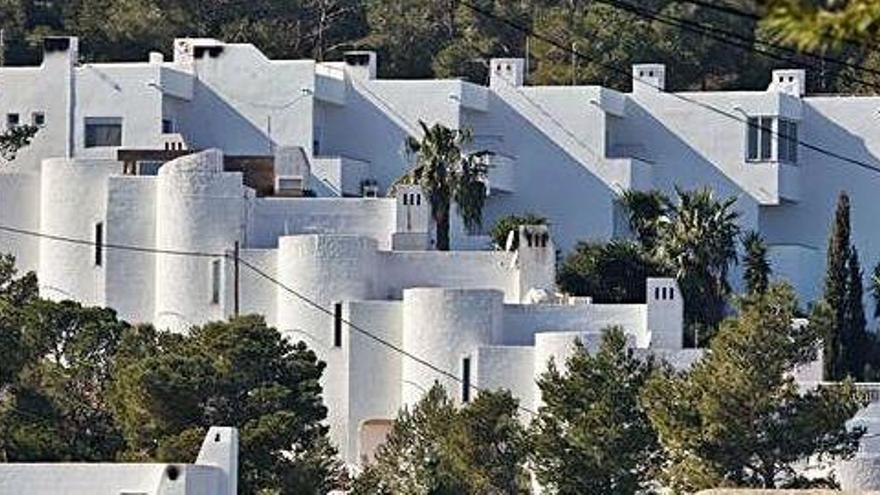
[
  {"x": 698, "y": 242},
  {"x": 448, "y": 174},
  {"x": 645, "y": 209}
]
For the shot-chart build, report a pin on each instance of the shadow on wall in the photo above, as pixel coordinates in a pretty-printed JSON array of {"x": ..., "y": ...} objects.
[
  {"x": 362, "y": 129},
  {"x": 212, "y": 122},
  {"x": 550, "y": 182}
]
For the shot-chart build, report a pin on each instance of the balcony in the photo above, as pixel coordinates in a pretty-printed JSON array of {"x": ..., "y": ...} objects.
[
  {"x": 771, "y": 183},
  {"x": 625, "y": 174},
  {"x": 502, "y": 174},
  {"x": 341, "y": 175}
]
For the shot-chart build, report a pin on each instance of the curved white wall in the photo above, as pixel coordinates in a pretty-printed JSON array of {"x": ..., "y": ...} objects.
[
  {"x": 20, "y": 208},
  {"x": 442, "y": 326},
  {"x": 326, "y": 269},
  {"x": 198, "y": 208},
  {"x": 72, "y": 200}
]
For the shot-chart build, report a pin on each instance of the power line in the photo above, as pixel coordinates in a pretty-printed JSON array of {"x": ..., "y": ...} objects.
[
  {"x": 729, "y": 37},
  {"x": 640, "y": 80},
  {"x": 310, "y": 302},
  {"x": 362, "y": 331},
  {"x": 727, "y": 9},
  {"x": 121, "y": 247}
]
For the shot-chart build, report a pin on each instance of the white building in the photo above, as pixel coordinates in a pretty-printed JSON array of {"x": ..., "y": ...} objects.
[
  {"x": 563, "y": 152},
  {"x": 215, "y": 472},
  {"x": 114, "y": 164},
  {"x": 490, "y": 317}
]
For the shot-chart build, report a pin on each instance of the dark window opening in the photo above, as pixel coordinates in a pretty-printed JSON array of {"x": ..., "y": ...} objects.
[
  {"x": 466, "y": 379},
  {"x": 99, "y": 244},
  {"x": 215, "y": 282},
  {"x": 103, "y": 132},
  {"x": 337, "y": 325},
  {"x": 12, "y": 120},
  {"x": 38, "y": 119}
]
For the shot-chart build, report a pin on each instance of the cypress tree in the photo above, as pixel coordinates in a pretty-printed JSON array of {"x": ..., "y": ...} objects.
[
  {"x": 855, "y": 339},
  {"x": 757, "y": 268},
  {"x": 836, "y": 281}
]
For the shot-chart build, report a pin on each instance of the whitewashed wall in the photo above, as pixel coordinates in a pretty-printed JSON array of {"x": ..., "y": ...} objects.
[
  {"x": 130, "y": 276},
  {"x": 73, "y": 200}
]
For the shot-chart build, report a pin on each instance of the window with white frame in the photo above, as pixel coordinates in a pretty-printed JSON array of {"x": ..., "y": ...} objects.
[
  {"x": 771, "y": 139},
  {"x": 788, "y": 141}
]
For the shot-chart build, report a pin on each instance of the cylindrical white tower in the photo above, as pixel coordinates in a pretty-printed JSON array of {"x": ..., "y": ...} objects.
[
  {"x": 199, "y": 208},
  {"x": 73, "y": 195},
  {"x": 326, "y": 269},
  {"x": 444, "y": 327}
]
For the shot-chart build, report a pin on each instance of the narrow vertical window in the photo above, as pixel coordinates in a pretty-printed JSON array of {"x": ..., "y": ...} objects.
[
  {"x": 752, "y": 150},
  {"x": 782, "y": 152},
  {"x": 215, "y": 282},
  {"x": 466, "y": 379},
  {"x": 793, "y": 142},
  {"x": 766, "y": 138},
  {"x": 337, "y": 325},
  {"x": 99, "y": 243},
  {"x": 671, "y": 293}
]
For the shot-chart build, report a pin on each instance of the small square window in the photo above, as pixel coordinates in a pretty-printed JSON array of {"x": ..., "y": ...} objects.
[
  {"x": 12, "y": 120},
  {"x": 167, "y": 126},
  {"x": 38, "y": 119}
]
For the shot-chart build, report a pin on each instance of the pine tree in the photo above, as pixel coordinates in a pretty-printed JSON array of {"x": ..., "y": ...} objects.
[
  {"x": 836, "y": 281},
  {"x": 855, "y": 338},
  {"x": 757, "y": 268}
]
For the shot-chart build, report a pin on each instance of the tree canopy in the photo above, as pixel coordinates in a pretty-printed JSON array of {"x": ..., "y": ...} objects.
[
  {"x": 446, "y": 38},
  {"x": 438, "y": 448},
  {"x": 592, "y": 434},
  {"x": 737, "y": 418}
]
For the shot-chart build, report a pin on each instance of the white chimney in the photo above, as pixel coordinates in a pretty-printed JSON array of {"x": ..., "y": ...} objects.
[
  {"x": 506, "y": 72},
  {"x": 649, "y": 77},
  {"x": 360, "y": 64},
  {"x": 789, "y": 81}
]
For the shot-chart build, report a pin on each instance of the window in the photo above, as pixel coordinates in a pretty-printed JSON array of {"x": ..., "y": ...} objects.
[
  {"x": 337, "y": 325},
  {"x": 38, "y": 119},
  {"x": 99, "y": 244},
  {"x": 788, "y": 141},
  {"x": 12, "y": 120},
  {"x": 103, "y": 132},
  {"x": 215, "y": 282},
  {"x": 760, "y": 140},
  {"x": 167, "y": 126},
  {"x": 149, "y": 167},
  {"x": 466, "y": 379}
]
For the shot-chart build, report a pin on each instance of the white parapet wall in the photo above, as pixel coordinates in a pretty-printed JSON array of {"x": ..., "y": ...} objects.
[{"x": 214, "y": 472}]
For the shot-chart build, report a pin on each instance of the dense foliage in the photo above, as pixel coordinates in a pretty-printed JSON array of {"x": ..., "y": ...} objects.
[
  {"x": 592, "y": 434},
  {"x": 77, "y": 384},
  {"x": 845, "y": 333},
  {"x": 446, "y": 38},
  {"x": 737, "y": 417},
  {"x": 613, "y": 272},
  {"x": 438, "y": 448}
]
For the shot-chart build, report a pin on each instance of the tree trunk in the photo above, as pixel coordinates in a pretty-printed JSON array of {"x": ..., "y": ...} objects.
[{"x": 441, "y": 218}]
